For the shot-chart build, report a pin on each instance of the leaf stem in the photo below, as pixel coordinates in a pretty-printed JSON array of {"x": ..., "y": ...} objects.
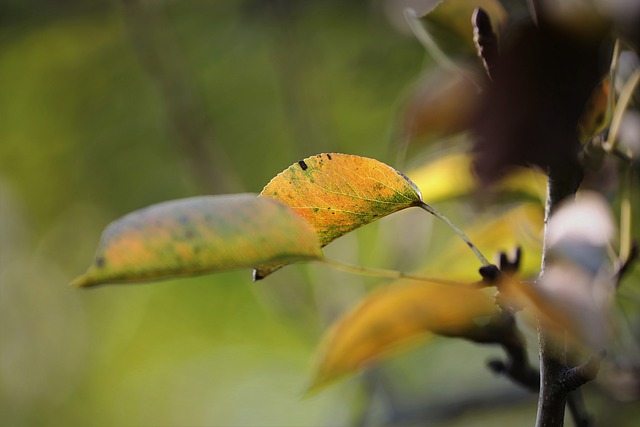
[
  {"x": 459, "y": 232},
  {"x": 613, "y": 72},
  {"x": 427, "y": 41},
  {"x": 625, "y": 96},
  {"x": 625, "y": 217},
  {"x": 389, "y": 274},
  {"x": 431, "y": 46}
]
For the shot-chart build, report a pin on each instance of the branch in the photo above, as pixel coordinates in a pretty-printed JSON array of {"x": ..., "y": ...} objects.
[
  {"x": 553, "y": 368},
  {"x": 517, "y": 366}
]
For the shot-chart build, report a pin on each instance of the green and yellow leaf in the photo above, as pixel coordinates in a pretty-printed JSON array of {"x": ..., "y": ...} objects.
[
  {"x": 338, "y": 193},
  {"x": 397, "y": 318},
  {"x": 200, "y": 235}
]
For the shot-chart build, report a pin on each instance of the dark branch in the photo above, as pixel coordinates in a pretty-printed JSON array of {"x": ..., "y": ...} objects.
[{"x": 573, "y": 378}]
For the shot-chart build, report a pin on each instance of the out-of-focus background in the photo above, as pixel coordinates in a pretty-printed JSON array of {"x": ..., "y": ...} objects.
[{"x": 109, "y": 106}]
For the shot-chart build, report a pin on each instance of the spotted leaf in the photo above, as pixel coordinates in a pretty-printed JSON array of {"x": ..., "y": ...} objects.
[
  {"x": 198, "y": 235},
  {"x": 337, "y": 193}
]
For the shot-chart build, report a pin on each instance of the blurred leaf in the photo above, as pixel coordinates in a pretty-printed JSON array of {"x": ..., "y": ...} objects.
[
  {"x": 443, "y": 103},
  {"x": 520, "y": 226},
  {"x": 450, "y": 22},
  {"x": 198, "y": 235},
  {"x": 337, "y": 193},
  {"x": 451, "y": 176},
  {"x": 529, "y": 114},
  {"x": 593, "y": 119},
  {"x": 570, "y": 303},
  {"x": 397, "y": 317}
]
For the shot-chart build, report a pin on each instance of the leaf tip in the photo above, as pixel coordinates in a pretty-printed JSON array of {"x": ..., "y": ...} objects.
[
  {"x": 83, "y": 281},
  {"x": 258, "y": 275}
]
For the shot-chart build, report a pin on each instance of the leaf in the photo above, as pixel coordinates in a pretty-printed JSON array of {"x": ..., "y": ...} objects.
[
  {"x": 572, "y": 305},
  {"x": 542, "y": 80},
  {"x": 450, "y": 22},
  {"x": 396, "y": 318},
  {"x": 594, "y": 115},
  {"x": 450, "y": 176},
  {"x": 198, "y": 235},
  {"x": 444, "y": 102},
  {"x": 337, "y": 193}
]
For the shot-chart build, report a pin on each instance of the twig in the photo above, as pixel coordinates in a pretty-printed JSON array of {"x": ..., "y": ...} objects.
[
  {"x": 388, "y": 274},
  {"x": 517, "y": 367}
]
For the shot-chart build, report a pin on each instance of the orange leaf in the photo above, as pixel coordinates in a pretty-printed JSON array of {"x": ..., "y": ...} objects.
[
  {"x": 337, "y": 193},
  {"x": 397, "y": 317},
  {"x": 199, "y": 235}
]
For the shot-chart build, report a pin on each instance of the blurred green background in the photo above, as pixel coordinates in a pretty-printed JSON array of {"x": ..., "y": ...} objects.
[
  {"x": 107, "y": 107},
  {"x": 110, "y": 106}
]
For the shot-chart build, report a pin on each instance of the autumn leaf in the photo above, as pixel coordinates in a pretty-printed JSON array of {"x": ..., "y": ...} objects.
[
  {"x": 451, "y": 176},
  {"x": 198, "y": 235},
  {"x": 337, "y": 193},
  {"x": 396, "y": 318}
]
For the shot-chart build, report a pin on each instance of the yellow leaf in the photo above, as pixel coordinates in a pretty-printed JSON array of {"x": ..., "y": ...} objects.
[
  {"x": 451, "y": 176},
  {"x": 337, "y": 193},
  {"x": 394, "y": 319},
  {"x": 199, "y": 235}
]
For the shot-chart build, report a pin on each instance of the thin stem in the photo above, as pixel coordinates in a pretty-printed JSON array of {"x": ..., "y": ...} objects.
[
  {"x": 389, "y": 274},
  {"x": 432, "y": 47},
  {"x": 625, "y": 96},
  {"x": 625, "y": 217},
  {"x": 459, "y": 232},
  {"x": 613, "y": 72},
  {"x": 427, "y": 41}
]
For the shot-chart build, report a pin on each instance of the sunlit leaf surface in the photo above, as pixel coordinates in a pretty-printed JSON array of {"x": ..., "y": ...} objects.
[
  {"x": 198, "y": 235},
  {"x": 397, "y": 317},
  {"x": 337, "y": 193}
]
